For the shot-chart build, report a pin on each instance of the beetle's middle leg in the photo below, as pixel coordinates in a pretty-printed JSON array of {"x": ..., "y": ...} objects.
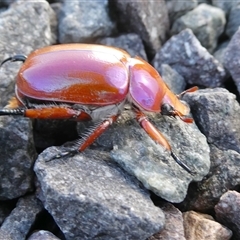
[
  {"x": 95, "y": 132},
  {"x": 158, "y": 137}
]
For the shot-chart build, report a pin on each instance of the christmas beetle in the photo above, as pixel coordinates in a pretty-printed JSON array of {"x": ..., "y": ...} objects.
[{"x": 92, "y": 82}]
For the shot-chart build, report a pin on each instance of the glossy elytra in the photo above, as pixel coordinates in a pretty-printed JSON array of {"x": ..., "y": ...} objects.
[{"x": 92, "y": 82}]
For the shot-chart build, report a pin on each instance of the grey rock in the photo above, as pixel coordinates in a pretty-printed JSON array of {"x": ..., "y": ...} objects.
[
  {"x": 172, "y": 78},
  {"x": 216, "y": 113},
  {"x": 18, "y": 38},
  {"x": 40, "y": 235},
  {"x": 177, "y": 8},
  {"x": 228, "y": 211},
  {"x": 184, "y": 53},
  {"x": 5, "y": 3},
  {"x": 5, "y": 210},
  {"x": 173, "y": 229},
  {"x": 233, "y": 20},
  {"x": 147, "y": 19},
  {"x": 131, "y": 43},
  {"x": 5, "y": 235},
  {"x": 84, "y": 21},
  {"x": 203, "y": 226},
  {"x": 89, "y": 196},
  {"x": 232, "y": 58},
  {"x": 18, "y": 223},
  {"x": 150, "y": 163},
  {"x": 17, "y": 157},
  {"x": 208, "y": 192},
  {"x": 220, "y": 52},
  {"x": 206, "y": 22},
  {"x": 225, "y": 5}
]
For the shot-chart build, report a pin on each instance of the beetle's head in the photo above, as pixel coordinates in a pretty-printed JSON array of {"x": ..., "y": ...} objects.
[{"x": 168, "y": 110}]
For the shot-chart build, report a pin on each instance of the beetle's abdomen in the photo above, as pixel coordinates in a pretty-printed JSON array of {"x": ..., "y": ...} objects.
[{"x": 74, "y": 76}]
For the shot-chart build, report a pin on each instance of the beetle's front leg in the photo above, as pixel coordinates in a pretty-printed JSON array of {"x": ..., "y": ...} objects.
[{"x": 157, "y": 136}]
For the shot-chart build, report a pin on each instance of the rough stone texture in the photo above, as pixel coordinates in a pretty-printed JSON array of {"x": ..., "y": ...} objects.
[
  {"x": 90, "y": 196},
  {"x": 131, "y": 43},
  {"x": 43, "y": 235},
  {"x": 225, "y": 5},
  {"x": 177, "y": 8},
  {"x": 220, "y": 52},
  {"x": 206, "y": 22},
  {"x": 233, "y": 20},
  {"x": 148, "y": 19},
  {"x": 173, "y": 229},
  {"x": 140, "y": 156},
  {"x": 202, "y": 226},
  {"x": 216, "y": 113},
  {"x": 84, "y": 21},
  {"x": 18, "y": 38},
  {"x": 18, "y": 223},
  {"x": 184, "y": 53},
  {"x": 223, "y": 175},
  {"x": 5, "y": 210},
  {"x": 172, "y": 78},
  {"x": 232, "y": 58},
  {"x": 17, "y": 157},
  {"x": 228, "y": 212},
  {"x": 5, "y": 235}
]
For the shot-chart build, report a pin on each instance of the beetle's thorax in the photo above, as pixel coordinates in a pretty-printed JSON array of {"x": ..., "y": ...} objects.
[{"x": 146, "y": 88}]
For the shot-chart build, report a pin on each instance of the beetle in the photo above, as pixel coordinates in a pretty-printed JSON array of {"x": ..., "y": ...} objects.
[{"x": 93, "y": 82}]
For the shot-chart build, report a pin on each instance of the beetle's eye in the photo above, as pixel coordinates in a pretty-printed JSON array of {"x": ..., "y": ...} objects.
[{"x": 167, "y": 109}]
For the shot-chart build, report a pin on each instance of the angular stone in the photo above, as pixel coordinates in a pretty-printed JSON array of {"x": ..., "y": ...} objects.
[
  {"x": 18, "y": 38},
  {"x": 202, "y": 226},
  {"x": 84, "y": 21},
  {"x": 88, "y": 195},
  {"x": 232, "y": 58},
  {"x": 206, "y": 22},
  {"x": 233, "y": 20},
  {"x": 17, "y": 157},
  {"x": 18, "y": 223},
  {"x": 131, "y": 43},
  {"x": 225, "y": 5},
  {"x": 216, "y": 112},
  {"x": 148, "y": 19},
  {"x": 177, "y": 8},
  {"x": 184, "y": 53},
  {"x": 173, "y": 229},
  {"x": 172, "y": 78},
  {"x": 140, "y": 156},
  {"x": 228, "y": 211},
  {"x": 40, "y": 235}
]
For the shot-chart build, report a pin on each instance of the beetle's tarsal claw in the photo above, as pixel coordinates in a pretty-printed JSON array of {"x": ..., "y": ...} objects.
[
  {"x": 16, "y": 58},
  {"x": 16, "y": 111},
  {"x": 192, "y": 89},
  {"x": 62, "y": 154},
  {"x": 182, "y": 164}
]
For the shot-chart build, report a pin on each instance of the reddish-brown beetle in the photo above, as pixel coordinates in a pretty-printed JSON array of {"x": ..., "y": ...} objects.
[{"x": 92, "y": 82}]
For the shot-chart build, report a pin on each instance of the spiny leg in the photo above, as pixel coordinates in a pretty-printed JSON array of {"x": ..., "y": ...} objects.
[
  {"x": 95, "y": 132},
  {"x": 47, "y": 112},
  {"x": 157, "y": 136}
]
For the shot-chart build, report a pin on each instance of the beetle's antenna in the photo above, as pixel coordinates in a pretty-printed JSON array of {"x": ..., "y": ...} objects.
[
  {"x": 16, "y": 58},
  {"x": 16, "y": 111},
  {"x": 182, "y": 164}
]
